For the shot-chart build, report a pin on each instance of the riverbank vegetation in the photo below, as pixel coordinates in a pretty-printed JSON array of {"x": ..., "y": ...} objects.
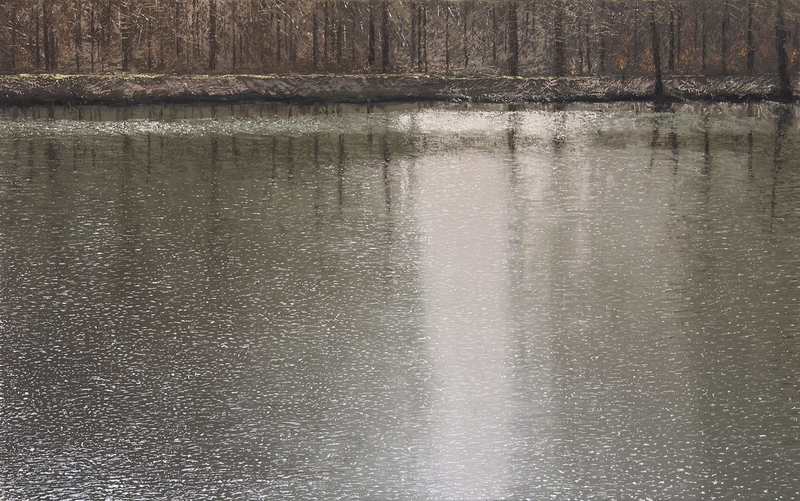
[{"x": 451, "y": 38}]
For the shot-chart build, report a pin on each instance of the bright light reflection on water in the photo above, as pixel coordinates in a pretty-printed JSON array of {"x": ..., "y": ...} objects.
[{"x": 400, "y": 302}]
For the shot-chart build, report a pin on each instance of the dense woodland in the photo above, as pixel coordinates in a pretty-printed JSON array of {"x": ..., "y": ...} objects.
[{"x": 444, "y": 37}]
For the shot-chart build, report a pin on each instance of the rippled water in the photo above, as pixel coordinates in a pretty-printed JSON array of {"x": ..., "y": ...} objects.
[{"x": 412, "y": 302}]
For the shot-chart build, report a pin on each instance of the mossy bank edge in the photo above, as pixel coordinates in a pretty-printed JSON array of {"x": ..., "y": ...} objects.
[{"x": 121, "y": 89}]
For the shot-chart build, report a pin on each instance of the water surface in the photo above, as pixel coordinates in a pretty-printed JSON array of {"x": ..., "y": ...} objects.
[{"x": 400, "y": 302}]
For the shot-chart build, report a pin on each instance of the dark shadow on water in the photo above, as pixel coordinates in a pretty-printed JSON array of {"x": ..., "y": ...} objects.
[{"x": 783, "y": 118}]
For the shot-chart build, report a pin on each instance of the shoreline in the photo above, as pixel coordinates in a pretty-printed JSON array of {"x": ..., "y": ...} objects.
[{"x": 125, "y": 89}]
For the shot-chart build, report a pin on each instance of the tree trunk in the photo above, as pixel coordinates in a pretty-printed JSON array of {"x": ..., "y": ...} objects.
[
  {"x": 291, "y": 46},
  {"x": 93, "y": 36},
  {"x": 781, "y": 35},
  {"x": 422, "y": 34},
  {"x": 603, "y": 38},
  {"x": 160, "y": 26},
  {"x": 150, "y": 35},
  {"x": 412, "y": 42},
  {"x": 494, "y": 35},
  {"x": 704, "y": 42},
  {"x": 723, "y": 39},
  {"x": 371, "y": 35},
  {"x": 635, "y": 55},
  {"x": 326, "y": 32},
  {"x": 277, "y": 18},
  {"x": 671, "y": 58},
  {"x": 315, "y": 37},
  {"x": 465, "y": 36},
  {"x": 13, "y": 48},
  {"x": 178, "y": 48},
  {"x": 678, "y": 37},
  {"x": 385, "y": 38},
  {"x": 420, "y": 29},
  {"x": 447, "y": 38},
  {"x": 658, "y": 90},
  {"x": 124, "y": 34},
  {"x": 212, "y": 35},
  {"x": 46, "y": 34},
  {"x": 513, "y": 42},
  {"x": 558, "y": 43},
  {"x": 588, "y": 44},
  {"x": 78, "y": 35},
  {"x": 234, "y": 54},
  {"x": 50, "y": 39},
  {"x": 339, "y": 37},
  {"x": 751, "y": 48}
]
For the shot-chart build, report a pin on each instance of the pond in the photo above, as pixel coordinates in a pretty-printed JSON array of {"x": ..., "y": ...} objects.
[{"x": 404, "y": 301}]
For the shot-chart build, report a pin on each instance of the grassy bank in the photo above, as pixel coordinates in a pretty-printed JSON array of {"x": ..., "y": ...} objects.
[{"x": 29, "y": 89}]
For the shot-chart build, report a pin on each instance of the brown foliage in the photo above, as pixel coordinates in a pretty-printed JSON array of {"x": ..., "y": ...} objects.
[{"x": 460, "y": 37}]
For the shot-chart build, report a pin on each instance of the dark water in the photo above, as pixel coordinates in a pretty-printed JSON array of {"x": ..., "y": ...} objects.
[{"x": 405, "y": 302}]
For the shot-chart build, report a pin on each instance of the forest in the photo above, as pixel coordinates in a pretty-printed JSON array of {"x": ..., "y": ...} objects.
[{"x": 441, "y": 37}]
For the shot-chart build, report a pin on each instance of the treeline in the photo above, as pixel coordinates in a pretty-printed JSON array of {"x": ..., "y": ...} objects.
[{"x": 450, "y": 37}]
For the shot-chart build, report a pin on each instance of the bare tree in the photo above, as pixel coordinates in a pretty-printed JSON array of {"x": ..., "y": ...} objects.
[
  {"x": 558, "y": 43},
  {"x": 513, "y": 45},
  {"x": 751, "y": 49},
  {"x": 656, "y": 49},
  {"x": 385, "y": 37},
  {"x": 781, "y": 36},
  {"x": 212, "y": 35}
]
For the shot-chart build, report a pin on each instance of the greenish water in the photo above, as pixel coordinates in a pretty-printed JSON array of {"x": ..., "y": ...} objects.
[{"x": 400, "y": 302}]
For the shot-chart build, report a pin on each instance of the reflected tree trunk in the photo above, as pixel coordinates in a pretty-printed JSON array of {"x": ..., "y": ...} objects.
[
  {"x": 654, "y": 139},
  {"x": 674, "y": 147},
  {"x": 782, "y": 120},
  {"x": 290, "y": 159},
  {"x": 385, "y": 171},
  {"x": 750, "y": 174},
  {"x": 706, "y": 170},
  {"x": 340, "y": 170},
  {"x": 511, "y": 132}
]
